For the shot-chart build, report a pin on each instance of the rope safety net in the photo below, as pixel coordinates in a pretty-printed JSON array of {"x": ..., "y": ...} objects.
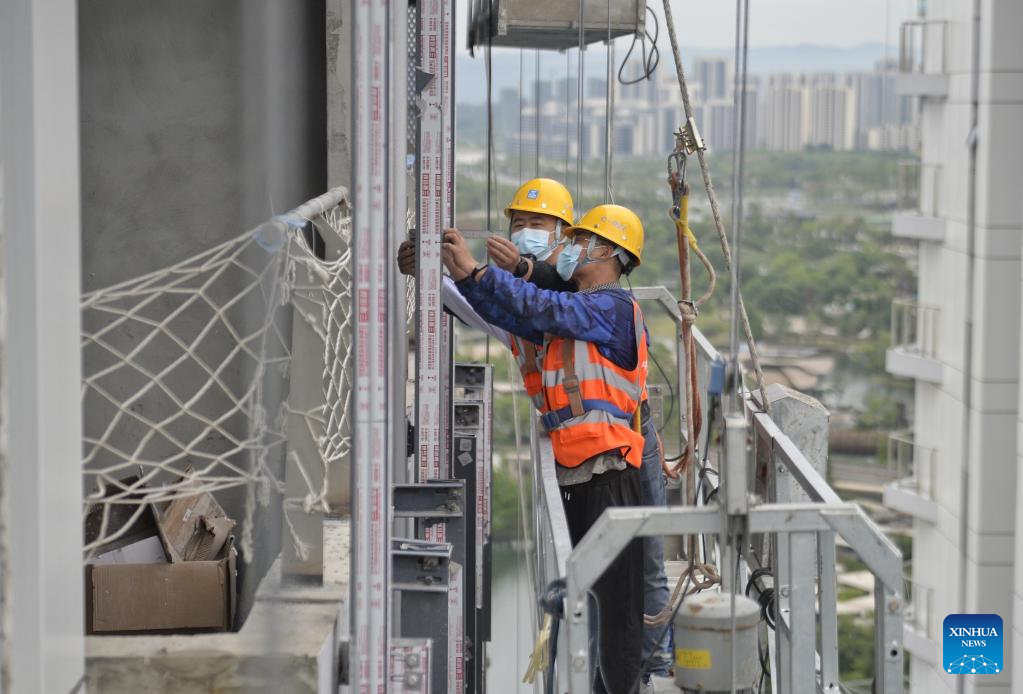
[{"x": 190, "y": 384}]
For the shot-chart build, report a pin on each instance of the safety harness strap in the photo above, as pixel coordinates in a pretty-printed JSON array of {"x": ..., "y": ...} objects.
[
  {"x": 529, "y": 356},
  {"x": 555, "y": 418},
  {"x": 575, "y": 398}
]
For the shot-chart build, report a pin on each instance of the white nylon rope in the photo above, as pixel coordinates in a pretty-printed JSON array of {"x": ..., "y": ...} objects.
[{"x": 182, "y": 359}]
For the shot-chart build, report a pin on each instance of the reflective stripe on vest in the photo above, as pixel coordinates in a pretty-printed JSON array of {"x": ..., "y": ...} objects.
[
  {"x": 528, "y": 359},
  {"x": 590, "y": 403}
]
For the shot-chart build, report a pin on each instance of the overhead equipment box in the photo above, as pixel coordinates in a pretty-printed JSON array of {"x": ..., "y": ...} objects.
[{"x": 551, "y": 24}]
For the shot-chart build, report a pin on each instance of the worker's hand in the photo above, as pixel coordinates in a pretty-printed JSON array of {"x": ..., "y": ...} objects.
[
  {"x": 407, "y": 258},
  {"x": 503, "y": 252},
  {"x": 456, "y": 255}
]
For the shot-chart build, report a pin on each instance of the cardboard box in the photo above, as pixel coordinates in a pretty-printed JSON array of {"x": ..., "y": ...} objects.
[
  {"x": 193, "y": 527},
  {"x": 132, "y": 587},
  {"x": 186, "y": 596},
  {"x": 146, "y": 551}
]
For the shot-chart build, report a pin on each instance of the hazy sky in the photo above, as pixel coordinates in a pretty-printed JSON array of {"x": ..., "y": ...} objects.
[
  {"x": 779, "y": 22},
  {"x": 711, "y": 23}
]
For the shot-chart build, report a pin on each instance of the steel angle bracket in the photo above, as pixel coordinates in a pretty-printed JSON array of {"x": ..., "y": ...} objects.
[
  {"x": 424, "y": 577},
  {"x": 420, "y": 566},
  {"x": 430, "y": 501}
]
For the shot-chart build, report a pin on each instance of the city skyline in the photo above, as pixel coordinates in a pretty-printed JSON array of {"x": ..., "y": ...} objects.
[{"x": 841, "y": 111}]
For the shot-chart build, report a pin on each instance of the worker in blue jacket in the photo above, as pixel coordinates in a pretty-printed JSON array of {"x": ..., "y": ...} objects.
[
  {"x": 545, "y": 204},
  {"x": 594, "y": 342}
]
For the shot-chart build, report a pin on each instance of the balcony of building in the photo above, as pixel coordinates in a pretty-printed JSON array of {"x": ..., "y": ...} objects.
[
  {"x": 914, "y": 467},
  {"x": 923, "y": 58},
  {"x": 917, "y": 195},
  {"x": 920, "y": 627},
  {"x": 914, "y": 342}
]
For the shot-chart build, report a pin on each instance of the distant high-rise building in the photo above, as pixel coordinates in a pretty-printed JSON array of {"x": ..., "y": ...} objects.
[
  {"x": 714, "y": 76},
  {"x": 878, "y": 105},
  {"x": 784, "y": 112},
  {"x": 786, "y": 115},
  {"x": 832, "y": 117},
  {"x": 716, "y": 121},
  {"x": 596, "y": 87}
]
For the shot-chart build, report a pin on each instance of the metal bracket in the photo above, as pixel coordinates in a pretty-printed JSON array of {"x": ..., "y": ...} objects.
[
  {"x": 689, "y": 137},
  {"x": 410, "y": 665},
  {"x": 420, "y": 566},
  {"x": 431, "y": 502}
]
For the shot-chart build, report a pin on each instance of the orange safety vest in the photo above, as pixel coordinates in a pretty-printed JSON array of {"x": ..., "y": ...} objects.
[
  {"x": 527, "y": 356},
  {"x": 591, "y": 405}
]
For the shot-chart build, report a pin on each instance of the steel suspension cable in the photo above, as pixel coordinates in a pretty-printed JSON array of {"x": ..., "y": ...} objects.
[
  {"x": 609, "y": 107},
  {"x": 490, "y": 151},
  {"x": 568, "y": 112},
  {"x": 580, "y": 98},
  {"x": 536, "y": 114},
  {"x": 738, "y": 161},
  {"x": 522, "y": 65},
  {"x": 714, "y": 206}
]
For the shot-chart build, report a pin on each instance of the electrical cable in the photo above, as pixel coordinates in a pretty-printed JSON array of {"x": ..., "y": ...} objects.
[
  {"x": 651, "y": 60},
  {"x": 667, "y": 381},
  {"x": 765, "y": 597},
  {"x": 671, "y": 392}
]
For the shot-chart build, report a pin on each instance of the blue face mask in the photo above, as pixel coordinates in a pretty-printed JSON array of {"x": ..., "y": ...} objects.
[
  {"x": 533, "y": 242},
  {"x": 568, "y": 261}
]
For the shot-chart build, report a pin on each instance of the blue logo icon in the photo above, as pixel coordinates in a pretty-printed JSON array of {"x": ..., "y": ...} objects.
[
  {"x": 972, "y": 644},
  {"x": 533, "y": 194}
]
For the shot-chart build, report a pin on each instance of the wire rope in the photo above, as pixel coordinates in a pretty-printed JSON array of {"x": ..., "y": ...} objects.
[
  {"x": 714, "y": 205},
  {"x": 580, "y": 98},
  {"x": 522, "y": 68},
  {"x": 568, "y": 111},
  {"x": 609, "y": 114},
  {"x": 536, "y": 114},
  {"x": 738, "y": 161}
]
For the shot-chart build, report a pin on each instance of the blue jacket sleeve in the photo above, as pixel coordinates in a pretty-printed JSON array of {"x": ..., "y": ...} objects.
[{"x": 528, "y": 311}]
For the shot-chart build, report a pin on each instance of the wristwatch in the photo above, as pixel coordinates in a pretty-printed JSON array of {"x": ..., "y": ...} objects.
[
  {"x": 477, "y": 270},
  {"x": 522, "y": 268}
]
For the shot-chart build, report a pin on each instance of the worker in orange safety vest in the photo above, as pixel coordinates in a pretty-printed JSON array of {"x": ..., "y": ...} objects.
[{"x": 593, "y": 379}]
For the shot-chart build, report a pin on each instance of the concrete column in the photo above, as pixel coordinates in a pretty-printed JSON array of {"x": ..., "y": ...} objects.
[
  {"x": 805, "y": 421},
  {"x": 339, "y": 93},
  {"x": 43, "y": 646},
  {"x": 339, "y": 173}
]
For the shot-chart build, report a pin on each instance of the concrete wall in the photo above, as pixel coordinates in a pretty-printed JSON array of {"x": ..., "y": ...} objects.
[{"x": 199, "y": 119}]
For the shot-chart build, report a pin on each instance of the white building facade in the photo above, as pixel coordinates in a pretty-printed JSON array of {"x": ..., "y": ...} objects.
[{"x": 959, "y": 339}]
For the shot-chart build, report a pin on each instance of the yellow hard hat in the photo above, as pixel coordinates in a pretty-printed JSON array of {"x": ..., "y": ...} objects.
[
  {"x": 617, "y": 224},
  {"x": 542, "y": 196}
]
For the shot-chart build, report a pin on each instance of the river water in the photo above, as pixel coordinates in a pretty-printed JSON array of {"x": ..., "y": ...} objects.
[{"x": 512, "y": 633}]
